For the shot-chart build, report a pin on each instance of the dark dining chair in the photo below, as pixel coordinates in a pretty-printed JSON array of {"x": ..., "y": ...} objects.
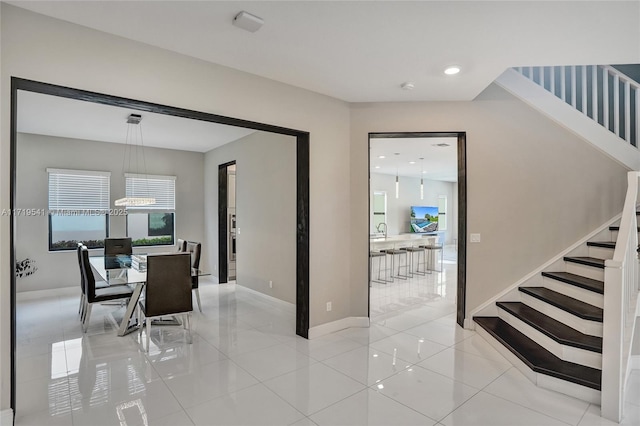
[
  {"x": 98, "y": 293},
  {"x": 113, "y": 246},
  {"x": 182, "y": 245},
  {"x": 82, "y": 297},
  {"x": 99, "y": 284},
  {"x": 167, "y": 291},
  {"x": 194, "y": 248}
]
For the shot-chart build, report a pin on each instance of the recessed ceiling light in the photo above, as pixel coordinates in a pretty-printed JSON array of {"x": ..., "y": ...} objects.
[
  {"x": 381, "y": 156},
  {"x": 407, "y": 85},
  {"x": 412, "y": 162},
  {"x": 452, "y": 70},
  {"x": 377, "y": 167}
]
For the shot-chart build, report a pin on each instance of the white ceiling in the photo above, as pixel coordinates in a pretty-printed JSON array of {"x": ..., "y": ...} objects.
[
  {"x": 439, "y": 162},
  {"x": 361, "y": 51},
  {"x": 55, "y": 116}
]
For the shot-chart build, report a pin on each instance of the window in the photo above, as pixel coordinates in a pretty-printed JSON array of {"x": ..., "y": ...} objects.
[
  {"x": 152, "y": 225},
  {"x": 379, "y": 210},
  {"x": 442, "y": 212},
  {"x": 78, "y": 208}
]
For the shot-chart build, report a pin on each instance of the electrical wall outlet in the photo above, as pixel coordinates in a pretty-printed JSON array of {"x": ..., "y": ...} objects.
[
  {"x": 474, "y": 238},
  {"x": 328, "y": 306},
  {"x": 270, "y": 284}
]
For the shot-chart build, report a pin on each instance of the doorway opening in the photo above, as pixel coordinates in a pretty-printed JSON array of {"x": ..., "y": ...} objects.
[
  {"x": 299, "y": 210},
  {"x": 227, "y": 222},
  {"x": 417, "y": 223}
]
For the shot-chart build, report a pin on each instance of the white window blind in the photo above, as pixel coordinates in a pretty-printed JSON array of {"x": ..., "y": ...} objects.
[
  {"x": 78, "y": 190},
  {"x": 162, "y": 188}
]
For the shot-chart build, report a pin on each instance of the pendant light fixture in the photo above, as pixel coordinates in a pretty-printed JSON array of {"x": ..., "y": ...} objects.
[
  {"x": 397, "y": 182},
  {"x": 133, "y": 148},
  {"x": 421, "y": 179}
]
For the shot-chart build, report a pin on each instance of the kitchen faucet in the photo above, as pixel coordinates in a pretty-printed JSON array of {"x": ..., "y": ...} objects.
[{"x": 385, "y": 228}]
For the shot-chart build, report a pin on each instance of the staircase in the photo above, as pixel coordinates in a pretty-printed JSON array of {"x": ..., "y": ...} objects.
[
  {"x": 555, "y": 330},
  {"x": 551, "y": 328},
  {"x": 569, "y": 328}
]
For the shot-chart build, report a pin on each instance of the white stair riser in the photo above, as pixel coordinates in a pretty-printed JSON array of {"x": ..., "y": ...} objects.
[
  {"x": 592, "y": 328},
  {"x": 568, "y": 388},
  {"x": 587, "y": 296},
  {"x": 566, "y": 353},
  {"x": 601, "y": 252},
  {"x": 585, "y": 271},
  {"x": 542, "y": 380}
]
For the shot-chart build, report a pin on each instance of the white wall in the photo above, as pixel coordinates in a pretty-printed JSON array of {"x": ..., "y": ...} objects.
[
  {"x": 36, "y": 153},
  {"x": 49, "y": 50},
  {"x": 398, "y": 210},
  {"x": 265, "y": 211},
  {"x": 534, "y": 188}
]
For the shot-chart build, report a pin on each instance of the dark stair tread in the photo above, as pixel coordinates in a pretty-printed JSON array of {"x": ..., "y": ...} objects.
[
  {"x": 556, "y": 330},
  {"x": 566, "y": 303},
  {"x": 617, "y": 228},
  {"x": 586, "y": 260},
  {"x": 538, "y": 358},
  {"x": 596, "y": 286},
  {"x": 605, "y": 244}
]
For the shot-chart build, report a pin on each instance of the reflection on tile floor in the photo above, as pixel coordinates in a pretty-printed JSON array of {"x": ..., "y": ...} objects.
[{"x": 413, "y": 366}]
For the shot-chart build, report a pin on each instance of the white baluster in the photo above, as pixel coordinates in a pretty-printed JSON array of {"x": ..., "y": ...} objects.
[
  {"x": 594, "y": 92},
  {"x": 573, "y": 86},
  {"x": 627, "y": 111},
  {"x": 583, "y": 79},
  {"x": 542, "y": 77},
  {"x": 553, "y": 80},
  {"x": 637, "y": 92},
  {"x": 531, "y": 73},
  {"x": 616, "y": 105},
  {"x": 605, "y": 97},
  {"x": 563, "y": 83}
]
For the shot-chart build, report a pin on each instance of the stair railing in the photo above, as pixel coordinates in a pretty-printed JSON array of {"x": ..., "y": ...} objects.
[
  {"x": 600, "y": 92},
  {"x": 620, "y": 307}
]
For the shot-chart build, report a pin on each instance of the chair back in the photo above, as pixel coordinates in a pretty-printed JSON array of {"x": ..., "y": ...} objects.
[
  {"x": 182, "y": 245},
  {"x": 89, "y": 280},
  {"x": 168, "y": 288},
  {"x": 114, "y": 246},
  {"x": 79, "y": 250},
  {"x": 194, "y": 249}
]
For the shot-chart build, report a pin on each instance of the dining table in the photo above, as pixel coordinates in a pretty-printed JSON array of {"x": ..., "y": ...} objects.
[{"x": 124, "y": 269}]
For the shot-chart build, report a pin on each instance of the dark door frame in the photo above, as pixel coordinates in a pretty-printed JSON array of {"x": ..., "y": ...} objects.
[
  {"x": 302, "y": 186},
  {"x": 223, "y": 186},
  {"x": 462, "y": 208}
]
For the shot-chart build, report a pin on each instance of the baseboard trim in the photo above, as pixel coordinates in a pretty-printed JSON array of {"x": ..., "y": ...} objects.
[
  {"x": 6, "y": 417},
  {"x": 540, "y": 269},
  {"x": 51, "y": 292},
  {"x": 332, "y": 327}
]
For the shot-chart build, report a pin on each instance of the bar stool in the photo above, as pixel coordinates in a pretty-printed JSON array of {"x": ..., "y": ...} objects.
[
  {"x": 410, "y": 252},
  {"x": 431, "y": 248},
  {"x": 379, "y": 255},
  {"x": 393, "y": 252}
]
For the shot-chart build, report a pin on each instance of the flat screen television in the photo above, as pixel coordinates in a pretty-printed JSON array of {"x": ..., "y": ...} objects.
[{"x": 424, "y": 218}]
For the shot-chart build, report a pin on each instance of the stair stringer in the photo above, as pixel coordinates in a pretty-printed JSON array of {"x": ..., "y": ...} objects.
[
  {"x": 532, "y": 279},
  {"x": 570, "y": 118}
]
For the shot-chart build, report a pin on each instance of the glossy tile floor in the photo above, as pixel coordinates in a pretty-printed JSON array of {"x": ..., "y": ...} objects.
[{"x": 413, "y": 366}]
